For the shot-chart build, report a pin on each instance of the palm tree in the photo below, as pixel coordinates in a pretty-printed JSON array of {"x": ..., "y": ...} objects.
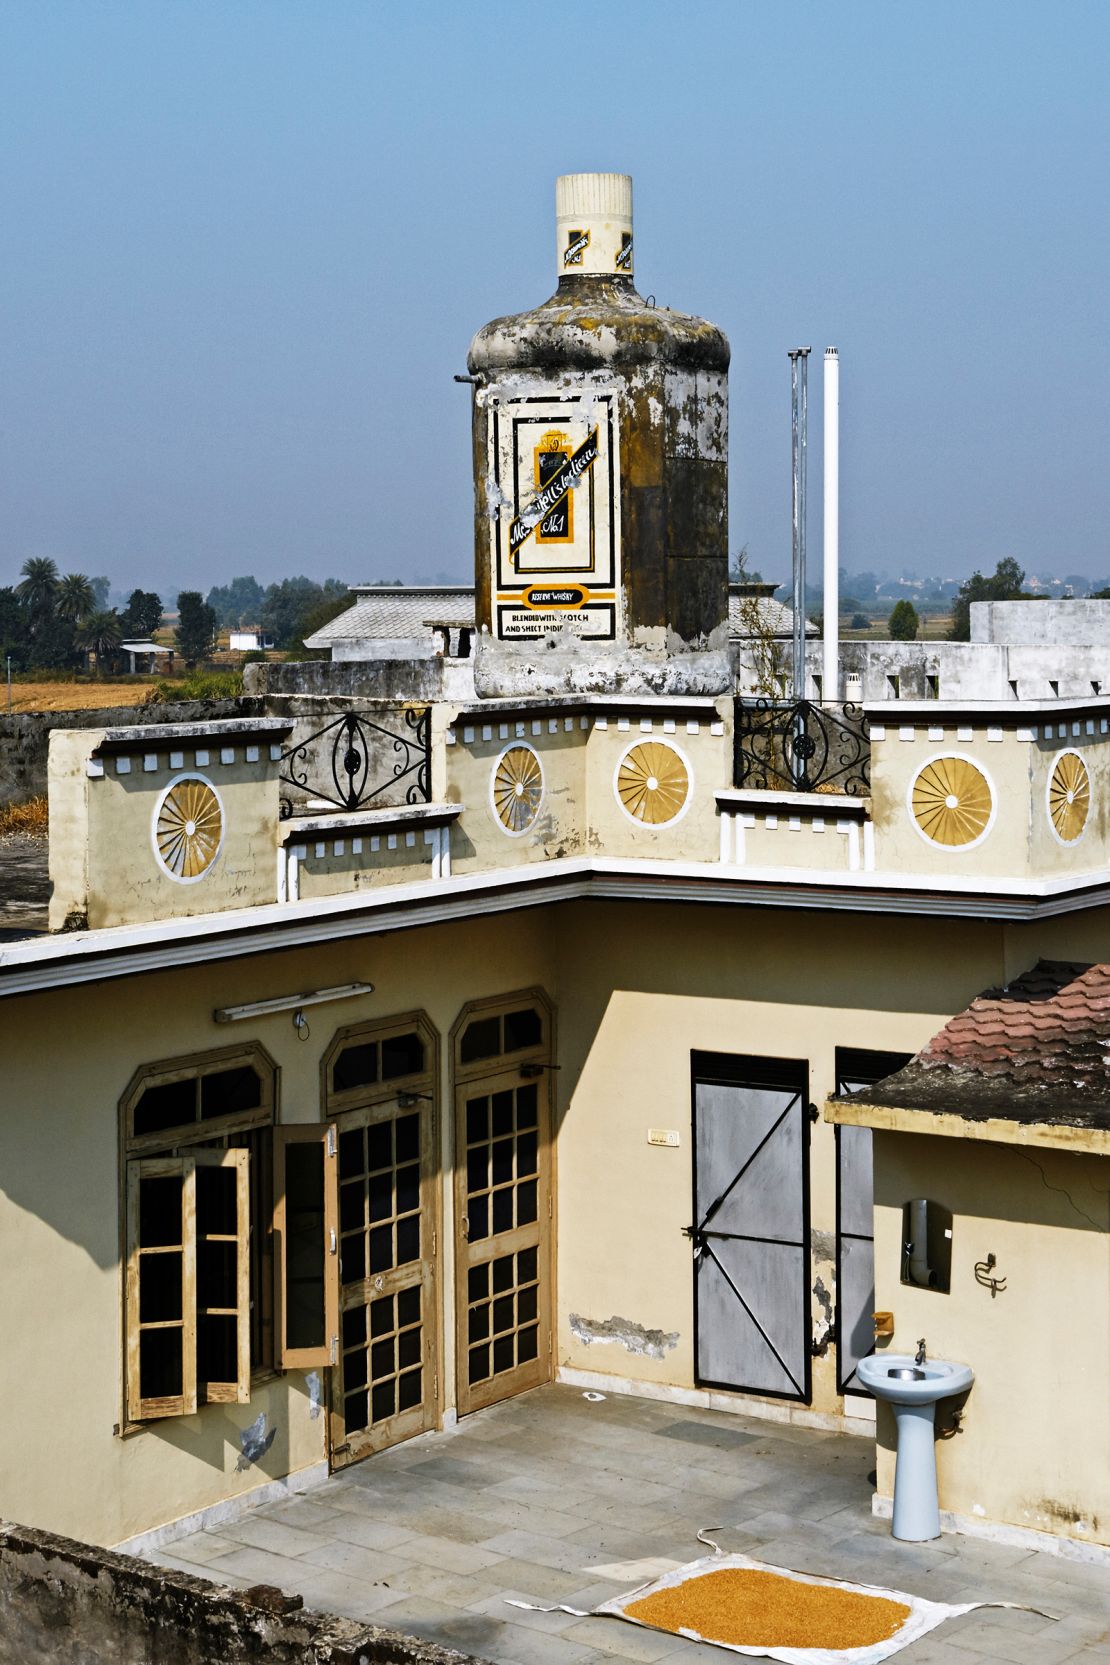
[
  {"x": 74, "y": 599},
  {"x": 101, "y": 634},
  {"x": 40, "y": 583}
]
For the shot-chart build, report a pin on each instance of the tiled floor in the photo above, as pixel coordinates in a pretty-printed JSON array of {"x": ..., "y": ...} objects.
[{"x": 554, "y": 1499}]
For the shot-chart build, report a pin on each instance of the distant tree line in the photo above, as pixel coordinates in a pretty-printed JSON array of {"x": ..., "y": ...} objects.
[
  {"x": 62, "y": 622},
  {"x": 286, "y": 612},
  {"x": 55, "y": 621}
]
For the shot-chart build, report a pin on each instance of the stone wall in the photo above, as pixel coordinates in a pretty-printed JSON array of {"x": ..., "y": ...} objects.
[
  {"x": 73, "y": 1603},
  {"x": 25, "y": 737},
  {"x": 373, "y": 679}
]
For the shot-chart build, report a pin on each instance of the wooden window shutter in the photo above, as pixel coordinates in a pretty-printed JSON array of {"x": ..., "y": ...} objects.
[
  {"x": 161, "y": 1288},
  {"x": 306, "y": 1246},
  {"x": 223, "y": 1292}
]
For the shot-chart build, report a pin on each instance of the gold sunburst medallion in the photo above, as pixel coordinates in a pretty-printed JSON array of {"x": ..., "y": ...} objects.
[
  {"x": 952, "y": 801},
  {"x": 1069, "y": 796},
  {"x": 653, "y": 783},
  {"x": 517, "y": 788},
  {"x": 188, "y": 826}
]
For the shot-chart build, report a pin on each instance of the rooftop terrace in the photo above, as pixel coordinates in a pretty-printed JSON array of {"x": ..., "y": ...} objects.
[{"x": 549, "y": 1498}]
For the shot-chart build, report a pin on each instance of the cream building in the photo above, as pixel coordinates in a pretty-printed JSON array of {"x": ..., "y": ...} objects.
[{"x": 385, "y": 1059}]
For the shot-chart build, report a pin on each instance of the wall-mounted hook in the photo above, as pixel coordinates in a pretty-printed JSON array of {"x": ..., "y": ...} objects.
[{"x": 983, "y": 1270}]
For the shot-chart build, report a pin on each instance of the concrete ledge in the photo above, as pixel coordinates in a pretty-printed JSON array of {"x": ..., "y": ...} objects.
[
  {"x": 1016, "y": 1537},
  {"x": 712, "y": 1399},
  {"x": 220, "y": 1514}
]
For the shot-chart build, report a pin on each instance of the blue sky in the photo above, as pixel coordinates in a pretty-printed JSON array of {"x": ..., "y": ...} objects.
[{"x": 246, "y": 246}]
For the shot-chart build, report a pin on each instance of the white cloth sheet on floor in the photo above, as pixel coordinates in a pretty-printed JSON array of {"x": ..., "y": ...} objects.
[{"x": 923, "y": 1615}]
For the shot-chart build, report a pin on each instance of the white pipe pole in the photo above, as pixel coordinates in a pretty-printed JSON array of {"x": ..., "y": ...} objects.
[{"x": 830, "y": 661}]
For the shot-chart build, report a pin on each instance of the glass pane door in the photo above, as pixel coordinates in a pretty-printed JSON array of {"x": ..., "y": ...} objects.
[
  {"x": 385, "y": 1387},
  {"x": 503, "y": 1204}
]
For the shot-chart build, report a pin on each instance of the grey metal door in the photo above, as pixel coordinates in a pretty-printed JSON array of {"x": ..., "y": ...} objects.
[
  {"x": 751, "y": 1231},
  {"x": 856, "y": 1068}
]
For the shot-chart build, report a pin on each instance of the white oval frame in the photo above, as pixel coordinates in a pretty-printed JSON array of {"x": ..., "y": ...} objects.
[
  {"x": 953, "y": 849},
  {"x": 178, "y": 878},
  {"x": 1068, "y": 843},
  {"x": 513, "y": 746},
  {"x": 659, "y": 740}
]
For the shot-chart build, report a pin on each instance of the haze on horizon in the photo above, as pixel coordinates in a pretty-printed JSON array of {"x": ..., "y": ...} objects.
[{"x": 248, "y": 244}]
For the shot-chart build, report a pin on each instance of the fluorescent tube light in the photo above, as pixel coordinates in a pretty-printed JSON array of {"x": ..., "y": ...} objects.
[{"x": 290, "y": 1002}]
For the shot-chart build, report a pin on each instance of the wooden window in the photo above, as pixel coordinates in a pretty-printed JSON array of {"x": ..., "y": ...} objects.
[
  {"x": 366, "y": 1063},
  {"x": 306, "y": 1229},
  {"x": 188, "y": 1282},
  {"x": 198, "y": 1166},
  {"x": 498, "y": 1033}
]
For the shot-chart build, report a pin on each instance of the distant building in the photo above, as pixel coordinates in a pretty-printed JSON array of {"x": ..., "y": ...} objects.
[
  {"x": 250, "y": 641},
  {"x": 1019, "y": 650},
  {"x": 413, "y": 621},
  {"x": 148, "y": 652}
]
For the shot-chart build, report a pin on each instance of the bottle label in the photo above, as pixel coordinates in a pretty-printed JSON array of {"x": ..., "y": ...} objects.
[{"x": 555, "y": 532}]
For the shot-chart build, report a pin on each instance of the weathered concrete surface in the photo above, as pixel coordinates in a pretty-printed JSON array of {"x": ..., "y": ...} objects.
[
  {"x": 25, "y": 737},
  {"x": 71, "y": 1602},
  {"x": 967, "y": 670},
  {"x": 367, "y": 678},
  {"x": 1080, "y": 622},
  {"x": 669, "y": 511},
  {"x": 24, "y": 886}
]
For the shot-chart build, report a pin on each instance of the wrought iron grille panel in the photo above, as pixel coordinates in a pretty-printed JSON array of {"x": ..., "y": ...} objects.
[
  {"x": 355, "y": 759},
  {"x": 806, "y": 747}
]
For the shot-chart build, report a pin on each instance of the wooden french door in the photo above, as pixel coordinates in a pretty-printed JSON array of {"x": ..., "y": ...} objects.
[
  {"x": 503, "y": 1203},
  {"x": 384, "y": 1381}
]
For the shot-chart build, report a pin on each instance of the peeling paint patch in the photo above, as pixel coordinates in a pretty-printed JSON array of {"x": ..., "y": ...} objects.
[
  {"x": 254, "y": 1442},
  {"x": 634, "y": 1338},
  {"x": 823, "y": 1245},
  {"x": 823, "y": 1297},
  {"x": 315, "y": 1394}
]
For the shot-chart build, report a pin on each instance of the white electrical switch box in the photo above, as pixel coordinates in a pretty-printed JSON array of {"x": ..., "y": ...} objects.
[{"x": 663, "y": 1136}]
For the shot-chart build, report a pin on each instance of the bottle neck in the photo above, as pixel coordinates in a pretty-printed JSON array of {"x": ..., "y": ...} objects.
[{"x": 583, "y": 288}]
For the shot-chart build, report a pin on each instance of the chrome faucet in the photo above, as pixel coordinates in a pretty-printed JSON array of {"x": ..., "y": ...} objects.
[{"x": 920, "y": 1357}]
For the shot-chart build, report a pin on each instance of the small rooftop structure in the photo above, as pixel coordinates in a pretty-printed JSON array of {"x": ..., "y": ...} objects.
[
  {"x": 775, "y": 618},
  {"x": 412, "y": 621},
  {"x": 145, "y": 649},
  {"x": 1036, "y": 1051}
]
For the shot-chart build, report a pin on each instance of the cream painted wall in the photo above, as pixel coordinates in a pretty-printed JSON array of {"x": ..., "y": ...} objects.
[
  {"x": 694, "y": 834},
  {"x": 676, "y": 979},
  {"x": 479, "y": 842},
  {"x": 580, "y": 813},
  {"x": 68, "y": 1056},
  {"x": 1020, "y": 840},
  {"x": 807, "y": 840},
  {"x": 637, "y": 986},
  {"x": 336, "y": 875},
  {"x": 1033, "y": 1448}
]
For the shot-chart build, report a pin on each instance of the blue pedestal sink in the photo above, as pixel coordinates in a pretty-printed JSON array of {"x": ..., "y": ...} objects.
[{"x": 912, "y": 1390}]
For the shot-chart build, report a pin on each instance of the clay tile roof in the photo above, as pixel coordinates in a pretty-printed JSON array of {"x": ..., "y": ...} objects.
[{"x": 1035, "y": 1050}]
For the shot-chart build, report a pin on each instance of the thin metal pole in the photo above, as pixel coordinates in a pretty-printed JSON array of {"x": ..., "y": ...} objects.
[
  {"x": 798, "y": 420},
  {"x": 830, "y": 657}
]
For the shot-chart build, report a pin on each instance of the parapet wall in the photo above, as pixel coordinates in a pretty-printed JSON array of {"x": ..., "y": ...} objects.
[
  {"x": 71, "y": 1602},
  {"x": 25, "y": 737}
]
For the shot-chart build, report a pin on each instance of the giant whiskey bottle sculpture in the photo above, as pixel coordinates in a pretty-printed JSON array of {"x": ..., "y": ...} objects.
[{"x": 601, "y": 477}]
